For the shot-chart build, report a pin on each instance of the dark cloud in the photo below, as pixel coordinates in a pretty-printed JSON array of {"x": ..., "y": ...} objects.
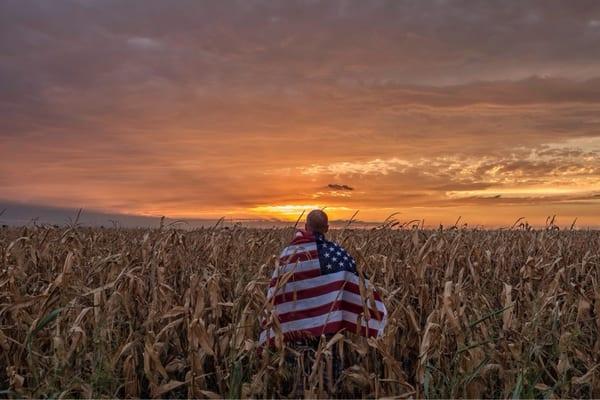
[{"x": 336, "y": 186}]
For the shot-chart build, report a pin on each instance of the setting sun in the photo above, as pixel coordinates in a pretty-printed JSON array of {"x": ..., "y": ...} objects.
[{"x": 290, "y": 212}]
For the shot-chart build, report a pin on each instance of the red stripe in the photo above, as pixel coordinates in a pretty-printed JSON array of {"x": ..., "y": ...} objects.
[
  {"x": 327, "y": 308},
  {"x": 331, "y": 327},
  {"x": 300, "y": 256},
  {"x": 298, "y": 276},
  {"x": 376, "y": 296},
  {"x": 319, "y": 290},
  {"x": 302, "y": 240},
  {"x": 302, "y": 236}
]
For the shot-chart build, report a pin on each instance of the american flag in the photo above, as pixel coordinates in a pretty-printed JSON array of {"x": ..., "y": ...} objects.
[{"x": 316, "y": 290}]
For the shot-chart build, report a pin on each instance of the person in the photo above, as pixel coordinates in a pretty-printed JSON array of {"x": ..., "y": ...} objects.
[{"x": 315, "y": 293}]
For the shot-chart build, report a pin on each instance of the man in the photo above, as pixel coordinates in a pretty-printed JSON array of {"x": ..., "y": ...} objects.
[{"x": 316, "y": 291}]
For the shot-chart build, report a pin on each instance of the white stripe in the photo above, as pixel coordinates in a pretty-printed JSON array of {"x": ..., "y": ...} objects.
[
  {"x": 312, "y": 302},
  {"x": 312, "y": 282},
  {"x": 299, "y": 266},
  {"x": 321, "y": 280},
  {"x": 307, "y": 323},
  {"x": 299, "y": 248}
]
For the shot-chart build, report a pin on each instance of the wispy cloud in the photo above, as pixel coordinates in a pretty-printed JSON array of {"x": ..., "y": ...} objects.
[
  {"x": 144, "y": 43},
  {"x": 376, "y": 166}
]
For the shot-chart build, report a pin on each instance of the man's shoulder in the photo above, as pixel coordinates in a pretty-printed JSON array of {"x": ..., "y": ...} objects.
[
  {"x": 302, "y": 242},
  {"x": 302, "y": 237}
]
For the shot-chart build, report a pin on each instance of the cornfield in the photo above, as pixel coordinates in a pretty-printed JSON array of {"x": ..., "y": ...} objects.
[{"x": 95, "y": 312}]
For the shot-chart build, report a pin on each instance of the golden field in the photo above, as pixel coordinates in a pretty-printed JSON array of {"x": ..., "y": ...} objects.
[{"x": 93, "y": 312}]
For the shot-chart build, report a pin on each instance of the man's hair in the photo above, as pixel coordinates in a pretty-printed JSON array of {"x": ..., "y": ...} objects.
[{"x": 317, "y": 221}]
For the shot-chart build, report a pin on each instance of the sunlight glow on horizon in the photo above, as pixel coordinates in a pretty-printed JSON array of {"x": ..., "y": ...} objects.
[{"x": 293, "y": 211}]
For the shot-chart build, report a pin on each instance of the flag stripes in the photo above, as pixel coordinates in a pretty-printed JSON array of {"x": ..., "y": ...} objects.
[{"x": 315, "y": 290}]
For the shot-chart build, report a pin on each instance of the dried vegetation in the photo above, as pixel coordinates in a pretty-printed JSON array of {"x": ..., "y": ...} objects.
[{"x": 90, "y": 312}]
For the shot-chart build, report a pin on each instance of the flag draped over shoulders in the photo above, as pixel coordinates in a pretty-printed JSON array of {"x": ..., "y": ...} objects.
[{"x": 315, "y": 290}]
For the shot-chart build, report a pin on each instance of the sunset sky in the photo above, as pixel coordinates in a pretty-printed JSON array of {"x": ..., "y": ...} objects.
[{"x": 488, "y": 110}]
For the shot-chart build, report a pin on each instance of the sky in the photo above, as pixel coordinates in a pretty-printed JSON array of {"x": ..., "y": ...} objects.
[{"x": 261, "y": 109}]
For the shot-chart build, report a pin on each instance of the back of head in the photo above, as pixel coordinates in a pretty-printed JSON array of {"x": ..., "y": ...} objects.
[{"x": 317, "y": 221}]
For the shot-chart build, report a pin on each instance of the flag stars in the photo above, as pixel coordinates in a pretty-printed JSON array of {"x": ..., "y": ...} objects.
[{"x": 334, "y": 258}]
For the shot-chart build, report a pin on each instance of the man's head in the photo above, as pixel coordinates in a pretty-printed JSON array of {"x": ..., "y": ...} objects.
[{"x": 317, "y": 221}]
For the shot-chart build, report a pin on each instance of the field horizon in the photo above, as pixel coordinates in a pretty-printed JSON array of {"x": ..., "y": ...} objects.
[{"x": 20, "y": 214}]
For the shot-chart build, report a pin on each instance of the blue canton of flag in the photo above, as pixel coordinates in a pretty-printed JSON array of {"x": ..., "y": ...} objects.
[{"x": 332, "y": 257}]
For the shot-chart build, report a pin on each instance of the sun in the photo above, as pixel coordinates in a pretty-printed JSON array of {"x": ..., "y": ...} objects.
[{"x": 291, "y": 212}]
